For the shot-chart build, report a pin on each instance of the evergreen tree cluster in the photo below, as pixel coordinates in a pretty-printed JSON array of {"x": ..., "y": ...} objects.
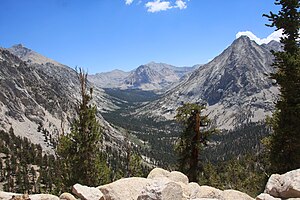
[
  {"x": 24, "y": 168},
  {"x": 231, "y": 144},
  {"x": 246, "y": 173}
]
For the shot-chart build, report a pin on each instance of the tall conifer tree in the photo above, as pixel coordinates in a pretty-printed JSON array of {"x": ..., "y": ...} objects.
[
  {"x": 79, "y": 151},
  {"x": 192, "y": 139},
  {"x": 285, "y": 140}
]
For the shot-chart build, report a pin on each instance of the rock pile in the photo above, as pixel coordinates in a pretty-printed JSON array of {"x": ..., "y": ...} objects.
[{"x": 164, "y": 185}]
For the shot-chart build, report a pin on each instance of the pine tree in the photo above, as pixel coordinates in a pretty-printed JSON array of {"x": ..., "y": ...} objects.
[
  {"x": 285, "y": 139},
  {"x": 79, "y": 151},
  {"x": 192, "y": 139}
]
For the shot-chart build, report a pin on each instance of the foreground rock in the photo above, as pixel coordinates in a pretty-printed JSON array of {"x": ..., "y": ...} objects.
[
  {"x": 127, "y": 188},
  {"x": 14, "y": 196},
  {"x": 285, "y": 186},
  {"x": 44, "y": 197},
  {"x": 87, "y": 193}
]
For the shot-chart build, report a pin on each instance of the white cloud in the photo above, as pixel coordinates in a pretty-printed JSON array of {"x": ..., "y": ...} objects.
[
  {"x": 128, "y": 2},
  {"x": 273, "y": 36},
  {"x": 157, "y": 5},
  {"x": 180, "y": 4}
]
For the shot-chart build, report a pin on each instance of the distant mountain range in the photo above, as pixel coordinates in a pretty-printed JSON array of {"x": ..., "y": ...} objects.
[
  {"x": 235, "y": 85},
  {"x": 151, "y": 76}
]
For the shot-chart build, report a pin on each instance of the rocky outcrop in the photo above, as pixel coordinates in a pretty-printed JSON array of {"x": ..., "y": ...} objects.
[
  {"x": 285, "y": 186},
  {"x": 164, "y": 185}
]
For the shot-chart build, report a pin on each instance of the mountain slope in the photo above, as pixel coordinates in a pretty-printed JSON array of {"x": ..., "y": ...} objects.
[
  {"x": 41, "y": 95},
  {"x": 235, "y": 86}
]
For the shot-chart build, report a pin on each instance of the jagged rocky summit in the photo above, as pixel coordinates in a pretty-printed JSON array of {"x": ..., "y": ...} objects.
[{"x": 164, "y": 185}]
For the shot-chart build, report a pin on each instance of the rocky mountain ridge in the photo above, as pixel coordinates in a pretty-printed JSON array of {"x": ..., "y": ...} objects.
[{"x": 235, "y": 85}]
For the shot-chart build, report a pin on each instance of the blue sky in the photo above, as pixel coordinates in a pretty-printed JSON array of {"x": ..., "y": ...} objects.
[{"x": 102, "y": 35}]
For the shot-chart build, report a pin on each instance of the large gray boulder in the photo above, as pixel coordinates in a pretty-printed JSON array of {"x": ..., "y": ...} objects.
[
  {"x": 234, "y": 194},
  {"x": 284, "y": 186},
  {"x": 158, "y": 190},
  {"x": 87, "y": 193},
  {"x": 127, "y": 188},
  {"x": 174, "y": 176},
  {"x": 208, "y": 192}
]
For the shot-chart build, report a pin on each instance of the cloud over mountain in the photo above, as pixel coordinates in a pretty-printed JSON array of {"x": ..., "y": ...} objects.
[{"x": 273, "y": 36}]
